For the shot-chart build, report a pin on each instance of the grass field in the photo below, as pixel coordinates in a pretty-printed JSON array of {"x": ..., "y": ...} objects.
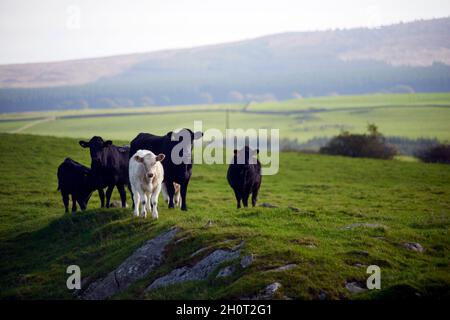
[
  {"x": 406, "y": 115},
  {"x": 409, "y": 201}
]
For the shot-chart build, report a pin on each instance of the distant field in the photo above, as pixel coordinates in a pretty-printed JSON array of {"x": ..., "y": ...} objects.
[{"x": 407, "y": 115}]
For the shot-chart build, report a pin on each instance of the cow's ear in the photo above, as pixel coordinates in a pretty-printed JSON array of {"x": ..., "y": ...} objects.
[
  {"x": 84, "y": 144},
  {"x": 235, "y": 151},
  {"x": 107, "y": 143},
  {"x": 198, "y": 135},
  {"x": 257, "y": 151},
  {"x": 169, "y": 134},
  {"x": 160, "y": 157},
  {"x": 138, "y": 158}
]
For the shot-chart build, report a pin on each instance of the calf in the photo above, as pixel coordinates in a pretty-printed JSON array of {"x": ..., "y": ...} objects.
[
  {"x": 109, "y": 165},
  {"x": 176, "y": 196},
  {"x": 74, "y": 179},
  {"x": 176, "y": 170},
  {"x": 146, "y": 176},
  {"x": 244, "y": 175}
]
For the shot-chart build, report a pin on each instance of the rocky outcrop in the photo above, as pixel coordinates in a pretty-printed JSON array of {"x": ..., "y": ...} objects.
[
  {"x": 200, "y": 271},
  {"x": 143, "y": 261}
]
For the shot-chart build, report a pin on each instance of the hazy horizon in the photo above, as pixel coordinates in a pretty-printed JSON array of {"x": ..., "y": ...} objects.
[{"x": 65, "y": 30}]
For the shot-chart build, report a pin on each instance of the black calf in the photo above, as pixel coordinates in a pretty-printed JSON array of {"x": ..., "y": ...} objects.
[
  {"x": 244, "y": 175},
  {"x": 74, "y": 179}
]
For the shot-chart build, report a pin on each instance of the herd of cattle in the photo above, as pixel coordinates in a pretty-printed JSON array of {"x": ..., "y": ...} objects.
[{"x": 146, "y": 167}]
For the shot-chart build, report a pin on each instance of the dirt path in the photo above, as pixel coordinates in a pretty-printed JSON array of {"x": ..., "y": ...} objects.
[{"x": 32, "y": 124}]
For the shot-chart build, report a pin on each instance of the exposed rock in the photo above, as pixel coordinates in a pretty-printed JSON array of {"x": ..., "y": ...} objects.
[
  {"x": 359, "y": 265},
  {"x": 414, "y": 246},
  {"x": 247, "y": 260},
  {"x": 268, "y": 205},
  {"x": 143, "y": 261},
  {"x": 283, "y": 268},
  {"x": 363, "y": 225},
  {"x": 354, "y": 287},
  {"x": 225, "y": 272},
  {"x": 322, "y": 296},
  {"x": 268, "y": 292},
  {"x": 117, "y": 204},
  {"x": 199, "y": 271},
  {"x": 208, "y": 224}
]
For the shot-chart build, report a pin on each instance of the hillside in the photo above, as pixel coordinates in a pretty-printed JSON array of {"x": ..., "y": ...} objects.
[
  {"x": 338, "y": 216},
  {"x": 399, "y": 58}
]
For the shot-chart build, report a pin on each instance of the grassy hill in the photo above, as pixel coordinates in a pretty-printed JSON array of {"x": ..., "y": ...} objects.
[
  {"x": 409, "y": 57},
  {"x": 323, "y": 233}
]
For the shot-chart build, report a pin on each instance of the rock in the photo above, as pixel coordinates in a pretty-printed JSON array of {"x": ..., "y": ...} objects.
[
  {"x": 322, "y": 296},
  {"x": 363, "y": 225},
  {"x": 359, "y": 265},
  {"x": 268, "y": 292},
  {"x": 414, "y": 246},
  {"x": 199, "y": 271},
  {"x": 284, "y": 268},
  {"x": 247, "y": 260},
  {"x": 117, "y": 204},
  {"x": 268, "y": 205},
  {"x": 209, "y": 224},
  {"x": 143, "y": 261},
  {"x": 225, "y": 272},
  {"x": 354, "y": 287}
]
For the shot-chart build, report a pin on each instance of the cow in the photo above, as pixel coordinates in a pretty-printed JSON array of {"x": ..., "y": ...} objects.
[
  {"x": 177, "y": 169},
  {"x": 74, "y": 179},
  {"x": 244, "y": 175},
  {"x": 109, "y": 165},
  {"x": 176, "y": 196},
  {"x": 146, "y": 176}
]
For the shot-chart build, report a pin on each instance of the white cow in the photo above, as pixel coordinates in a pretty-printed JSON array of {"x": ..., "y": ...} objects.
[{"x": 146, "y": 175}]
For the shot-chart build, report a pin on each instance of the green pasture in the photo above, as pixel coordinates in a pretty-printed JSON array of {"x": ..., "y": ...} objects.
[{"x": 334, "y": 217}]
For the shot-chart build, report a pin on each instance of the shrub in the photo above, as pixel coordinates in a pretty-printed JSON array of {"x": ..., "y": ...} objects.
[
  {"x": 435, "y": 154},
  {"x": 372, "y": 145}
]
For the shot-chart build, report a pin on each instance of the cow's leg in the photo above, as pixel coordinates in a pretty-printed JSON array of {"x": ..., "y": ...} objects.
[
  {"x": 108, "y": 195},
  {"x": 101, "y": 195},
  {"x": 170, "y": 192},
  {"x": 65, "y": 198},
  {"x": 254, "y": 196},
  {"x": 136, "y": 199},
  {"x": 154, "y": 201},
  {"x": 144, "y": 201},
  {"x": 74, "y": 203},
  {"x": 245, "y": 198},
  {"x": 82, "y": 204},
  {"x": 131, "y": 194},
  {"x": 183, "y": 191},
  {"x": 238, "y": 198},
  {"x": 123, "y": 195}
]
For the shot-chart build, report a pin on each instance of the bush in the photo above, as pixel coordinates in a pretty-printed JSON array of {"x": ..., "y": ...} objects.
[
  {"x": 372, "y": 145},
  {"x": 436, "y": 154}
]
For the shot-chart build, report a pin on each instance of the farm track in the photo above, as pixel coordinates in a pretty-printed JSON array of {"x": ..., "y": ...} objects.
[{"x": 32, "y": 124}]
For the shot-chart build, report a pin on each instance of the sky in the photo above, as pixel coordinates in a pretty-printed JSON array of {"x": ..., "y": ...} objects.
[{"x": 54, "y": 30}]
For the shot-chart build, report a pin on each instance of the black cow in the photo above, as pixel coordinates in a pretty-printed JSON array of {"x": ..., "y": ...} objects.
[
  {"x": 177, "y": 170},
  {"x": 244, "y": 176},
  {"x": 76, "y": 180},
  {"x": 109, "y": 165}
]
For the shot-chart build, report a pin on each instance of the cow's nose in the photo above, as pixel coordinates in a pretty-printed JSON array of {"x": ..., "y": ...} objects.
[{"x": 150, "y": 175}]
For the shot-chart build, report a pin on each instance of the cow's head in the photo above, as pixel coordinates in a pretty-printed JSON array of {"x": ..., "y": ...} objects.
[
  {"x": 245, "y": 156},
  {"x": 182, "y": 143},
  {"x": 96, "y": 147},
  {"x": 149, "y": 161}
]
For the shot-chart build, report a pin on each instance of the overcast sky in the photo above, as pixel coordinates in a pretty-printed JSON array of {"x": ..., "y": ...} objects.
[{"x": 49, "y": 30}]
